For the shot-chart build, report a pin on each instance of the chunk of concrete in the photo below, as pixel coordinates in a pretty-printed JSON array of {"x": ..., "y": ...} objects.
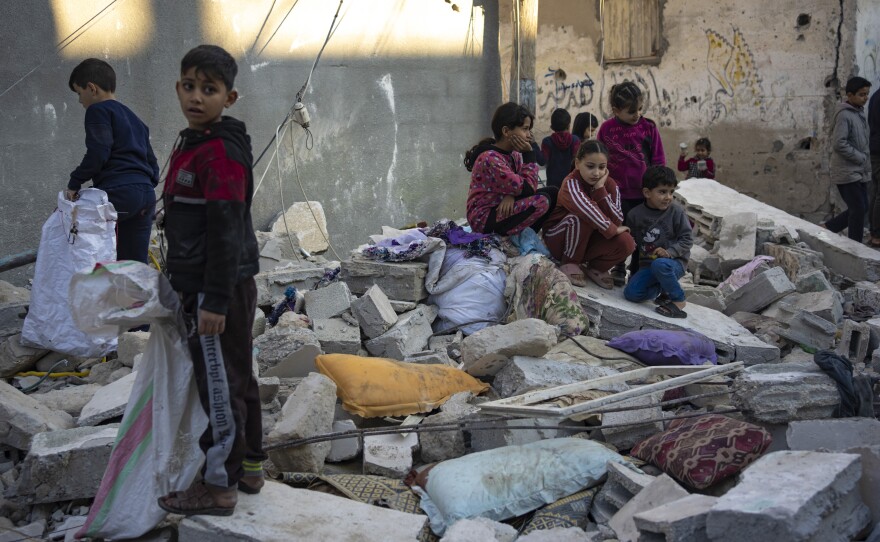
[
  {"x": 16, "y": 357},
  {"x": 621, "y": 485},
  {"x": 785, "y": 392},
  {"x": 401, "y": 281},
  {"x": 346, "y": 448},
  {"x": 22, "y": 417},
  {"x": 631, "y": 427},
  {"x": 131, "y": 343},
  {"x": 443, "y": 445},
  {"x": 735, "y": 244},
  {"x": 795, "y": 260},
  {"x": 32, "y": 531},
  {"x": 451, "y": 344},
  {"x": 306, "y": 221},
  {"x": 802, "y": 327},
  {"x": 409, "y": 335},
  {"x": 683, "y": 520},
  {"x": 108, "y": 402},
  {"x": 67, "y": 464},
  {"x": 268, "y": 387},
  {"x": 430, "y": 357},
  {"x": 271, "y": 285},
  {"x": 560, "y": 534},
  {"x": 307, "y": 412},
  {"x": 287, "y": 352},
  {"x": 545, "y": 428},
  {"x": 337, "y": 336},
  {"x": 776, "y": 500},
  {"x": 874, "y": 330},
  {"x": 814, "y": 281},
  {"x": 759, "y": 292},
  {"x": 281, "y": 512},
  {"x": 479, "y": 530},
  {"x": 524, "y": 374},
  {"x": 661, "y": 490},
  {"x": 486, "y": 351},
  {"x": 374, "y": 312},
  {"x": 327, "y": 302},
  {"x": 390, "y": 455},
  {"x": 259, "y": 326},
  {"x": 71, "y": 399},
  {"x": 864, "y": 293},
  {"x": 826, "y": 305},
  {"x": 854, "y": 341}
]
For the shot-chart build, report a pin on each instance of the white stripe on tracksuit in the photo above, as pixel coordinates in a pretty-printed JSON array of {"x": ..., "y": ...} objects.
[
  {"x": 587, "y": 206},
  {"x": 571, "y": 227}
]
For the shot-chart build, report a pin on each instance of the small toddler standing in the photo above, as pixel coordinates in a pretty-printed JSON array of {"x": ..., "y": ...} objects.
[
  {"x": 700, "y": 165},
  {"x": 663, "y": 239},
  {"x": 559, "y": 149},
  {"x": 119, "y": 159}
]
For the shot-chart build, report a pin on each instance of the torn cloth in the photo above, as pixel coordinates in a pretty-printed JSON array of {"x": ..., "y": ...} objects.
[{"x": 856, "y": 398}]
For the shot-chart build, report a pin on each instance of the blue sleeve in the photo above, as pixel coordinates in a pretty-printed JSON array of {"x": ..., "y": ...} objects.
[
  {"x": 539, "y": 156},
  {"x": 99, "y": 142}
]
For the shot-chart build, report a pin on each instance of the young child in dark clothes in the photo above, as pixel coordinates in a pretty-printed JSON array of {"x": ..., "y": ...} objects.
[
  {"x": 663, "y": 239},
  {"x": 212, "y": 259},
  {"x": 119, "y": 159},
  {"x": 559, "y": 149},
  {"x": 700, "y": 164},
  {"x": 584, "y": 126},
  {"x": 504, "y": 197}
]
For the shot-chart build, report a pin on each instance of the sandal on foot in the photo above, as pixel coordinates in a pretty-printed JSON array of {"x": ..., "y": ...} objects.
[
  {"x": 251, "y": 484},
  {"x": 662, "y": 299},
  {"x": 670, "y": 310},
  {"x": 601, "y": 278},
  {"x": 200, "y": 499},
  {"x": 874, "y": 242},
  {"x": 574, "y": 274}
]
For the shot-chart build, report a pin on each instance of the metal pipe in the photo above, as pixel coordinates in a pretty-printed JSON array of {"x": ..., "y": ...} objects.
[{"x": 18, "y": 260}]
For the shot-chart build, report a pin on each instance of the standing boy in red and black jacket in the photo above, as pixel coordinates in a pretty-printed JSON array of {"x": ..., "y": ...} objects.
[{"x": 211, "y": 261}]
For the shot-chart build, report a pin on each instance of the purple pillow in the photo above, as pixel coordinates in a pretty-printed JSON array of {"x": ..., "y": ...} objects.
[{"x": 661, "y": 347}]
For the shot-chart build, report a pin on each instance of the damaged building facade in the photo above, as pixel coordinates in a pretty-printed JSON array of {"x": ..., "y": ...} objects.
[{"x": 759, "y": 79}]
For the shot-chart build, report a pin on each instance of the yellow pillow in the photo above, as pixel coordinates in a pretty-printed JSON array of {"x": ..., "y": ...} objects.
[{"x": 371, "y": 387}]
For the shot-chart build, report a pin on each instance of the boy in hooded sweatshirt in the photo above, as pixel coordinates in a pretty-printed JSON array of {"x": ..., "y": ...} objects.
[
  {"x": 559, "y": 149},
  {"x": 851, "y": 159}
]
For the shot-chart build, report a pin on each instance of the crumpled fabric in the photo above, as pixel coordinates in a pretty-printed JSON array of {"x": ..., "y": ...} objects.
[
  {"x": 473, "y": 244},
  {"x": 856, "y": 397},
  {"x": 528, "y": 242},
  {"x": 742, "y": 275},
  {"x": 399, "y": 245}
]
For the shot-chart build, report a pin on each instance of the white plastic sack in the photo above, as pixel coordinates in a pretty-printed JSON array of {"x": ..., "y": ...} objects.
[
  {"x": 469, "y": 292},
  {"x": 507, "y": 482},
  {"x": 157, "y": 447},
  {"x": 75, "y": 237}
]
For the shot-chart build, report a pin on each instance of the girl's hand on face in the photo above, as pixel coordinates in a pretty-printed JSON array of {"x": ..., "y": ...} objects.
[
  {"x": 520, "y": 143},
  {"x": 505, "y": 208},
  {"x": 601, "y": 182}
]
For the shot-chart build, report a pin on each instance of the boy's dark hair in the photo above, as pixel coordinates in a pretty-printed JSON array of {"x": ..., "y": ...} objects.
[
  {"x": 560, "y": 120},
  {"x": 659, "y": 176},
  {"x": 212, "y": 61},
  {"x": 508, "y": 115},
  {"x": 581, "y": 122},
  {"x": 705, "y": 143},
  {"x": 626, "y": 96},
  {"x": 93, "y": 70},
  {"x": 856, "y": 84},
  {"x": 591, "y": 146}
]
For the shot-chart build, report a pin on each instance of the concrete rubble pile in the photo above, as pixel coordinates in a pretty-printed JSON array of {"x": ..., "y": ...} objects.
[{"x": 815, "y": 476}]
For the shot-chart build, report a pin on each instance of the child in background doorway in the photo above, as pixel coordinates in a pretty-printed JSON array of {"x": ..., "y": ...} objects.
[
  {"x": 584, "y": 126},
  {"x": 504, "y": 197},
  {"x": 585, "y": 231},
  {"x": 664, "y": 239},
  {"x": 700, "y": 165},
  {"x": 634, "y": 145},
  {"x": 560, "y": 148}
]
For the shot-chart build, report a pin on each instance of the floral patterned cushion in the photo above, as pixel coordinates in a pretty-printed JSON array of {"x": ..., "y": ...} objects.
[{"x": 702, "y": 451}]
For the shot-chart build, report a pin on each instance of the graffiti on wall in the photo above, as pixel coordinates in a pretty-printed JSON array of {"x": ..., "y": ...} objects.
[
  {"x": 732, "y": 66},
  {"x": 871, "y": 61},
  {"x": 561, "y": 93}
]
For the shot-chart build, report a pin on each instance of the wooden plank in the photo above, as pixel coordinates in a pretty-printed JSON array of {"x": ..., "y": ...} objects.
[
  {"x": 688, "y": 375},
  {"x": 616, "y": 29}
]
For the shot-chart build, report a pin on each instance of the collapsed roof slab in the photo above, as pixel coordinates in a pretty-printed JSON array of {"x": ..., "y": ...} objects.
[
  {"x": 707, "y": 202},
  {"x": 611, "y": 316}
]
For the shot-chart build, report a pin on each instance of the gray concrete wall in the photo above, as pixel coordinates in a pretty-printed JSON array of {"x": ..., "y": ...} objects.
[
  {"x": 402, "y": 90},
  {"x": 744, "y": 74}
]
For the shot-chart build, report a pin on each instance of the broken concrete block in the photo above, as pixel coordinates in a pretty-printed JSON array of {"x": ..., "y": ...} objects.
[
  {"x": 271, "y": 285},
  {"x": 775, "y": 500},
  {"x": 854, "y": 341},
  {"x": 337, "y": 336},
  {"x": 268, "y": 386},
  {"x": 22, "y": 417},
  {"x": 374, "y": 312},
  {"x": 346, "y": 448},
  {"x": 735, "y": 244},
  {"x": 401, "y": 281},
  {"x": 306, "y": 413},
  {"x": 108, "y": 402},
  {"x": 875, "y": 361},
  {"x": 759, "y": 292},
  {"x": 430, "y": 357},
  {"x": 479, "y": 530},
  {"x": 864, "y": 293},
  {"x": 293, "y": 320},
  {"x": 281, "y": 512},
  {"x": 327, "y": 302},
  {"x": 409, "y": 335},
  {"x": 796, "y": 261},
  {"x": 524, "y": 374},
  {"x": 306, "y": 221},
  {"x": 131, "y": 343},
  {"x": 545, "y": 428},
  {"x": 443, "y": 445},
  {"x": 287, "y": 352},
  {"x": 683, "y": 520},
  {"x": 451, "y": 344},
  {"x": 32, "y": 531},
  {"x": 16, "y": 357},
  {"x": 487, "y": 350},
  {"x": 390, "y": 455},
  {"x": 826, "y": 305},
  {"x": 705, "y": 296},
  {"x": 785, "y": 392},
  {"x": 660, "y": 491},
  {"x": 259, "y": 326},
  {"x": 627, "y": 436},
  {"x": 808, "y": 329},
  {"x": 71, "y": 399},
  {"x": 67, "y": 464},
  {"x": 621, "y": 485},
  {"x": 560, "y": 534},
  {"x": 814, "y": 281},
  {"x": 874, "y": 328}
]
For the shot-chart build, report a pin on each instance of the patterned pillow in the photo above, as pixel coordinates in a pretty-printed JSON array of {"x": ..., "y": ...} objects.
[{"x": 702, "y": 451}]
